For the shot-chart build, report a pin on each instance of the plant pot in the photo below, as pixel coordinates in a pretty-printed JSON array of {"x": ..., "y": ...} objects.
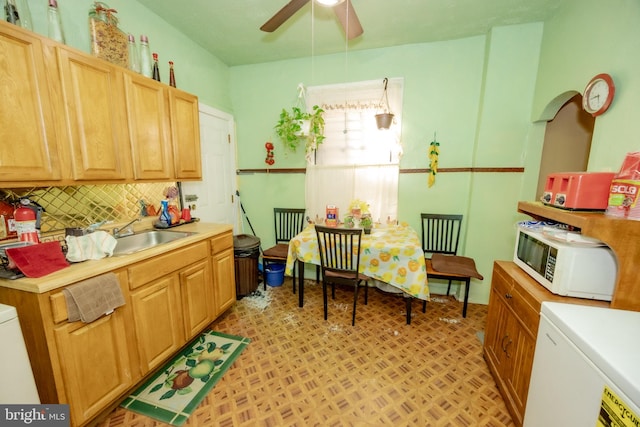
[
  {"x": 305, "y": 126},
  {"x": 384, "y": 120},
  {"x": 367, "y": 231}
]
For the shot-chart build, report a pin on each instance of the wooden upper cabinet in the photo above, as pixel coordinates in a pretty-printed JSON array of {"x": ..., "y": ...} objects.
[
  {"x": 96, "y": 124},
  {"x": 148, "y": 114},
  {"x": 185, "y": 134},
  {"x": 28, "y": 144}
]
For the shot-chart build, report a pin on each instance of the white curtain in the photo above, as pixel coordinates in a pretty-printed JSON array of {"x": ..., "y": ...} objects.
[
  {"x": 339, "y": 185},
  {"x": 356, "y": 160}
]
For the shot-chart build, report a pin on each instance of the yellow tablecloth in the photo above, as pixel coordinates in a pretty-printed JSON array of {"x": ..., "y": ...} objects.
[{"x": 391, "y": 254}]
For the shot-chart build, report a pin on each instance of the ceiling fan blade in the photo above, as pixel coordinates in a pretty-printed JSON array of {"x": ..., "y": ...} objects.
[
  {"x": 282, "y": 15},
  {"x": 347, "y": 16}
]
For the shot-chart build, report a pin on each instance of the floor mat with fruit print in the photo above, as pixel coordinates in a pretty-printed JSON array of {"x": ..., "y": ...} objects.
[{"x": 172, "y": 394}]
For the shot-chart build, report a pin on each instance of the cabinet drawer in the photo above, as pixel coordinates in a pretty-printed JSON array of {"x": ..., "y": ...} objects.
[
  {"x": 58, "y": 307},
  {"x": 146, "y": 271},
  {"x": 517, "y": 299},
  {"x": 221, "y": 242}
]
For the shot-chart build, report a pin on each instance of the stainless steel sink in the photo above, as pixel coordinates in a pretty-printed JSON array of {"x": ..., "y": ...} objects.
[{"x": 146, "y": 240}]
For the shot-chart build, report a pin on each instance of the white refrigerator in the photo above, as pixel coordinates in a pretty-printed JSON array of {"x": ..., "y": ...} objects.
[{"x": 586, "y": 368}]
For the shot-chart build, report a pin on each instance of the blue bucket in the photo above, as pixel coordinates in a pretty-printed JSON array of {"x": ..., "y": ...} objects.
[{"x": 274, "y": 274}]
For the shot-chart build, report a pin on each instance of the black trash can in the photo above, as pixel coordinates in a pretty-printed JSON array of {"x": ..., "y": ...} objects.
[{"x": 246, "y": 251}]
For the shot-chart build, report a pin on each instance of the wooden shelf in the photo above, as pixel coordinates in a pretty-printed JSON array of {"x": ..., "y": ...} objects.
[{"x": 621, "y": 235}]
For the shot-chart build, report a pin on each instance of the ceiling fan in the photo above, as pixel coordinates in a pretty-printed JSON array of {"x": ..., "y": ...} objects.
[{"x": 343, "y": 9}]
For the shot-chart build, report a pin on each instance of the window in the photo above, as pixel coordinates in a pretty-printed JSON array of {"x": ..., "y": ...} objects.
[{"x": 356, "y": 160}]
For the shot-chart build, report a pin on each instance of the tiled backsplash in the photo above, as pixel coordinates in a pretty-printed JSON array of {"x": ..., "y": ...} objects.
[{"x": 83, "y": 205}]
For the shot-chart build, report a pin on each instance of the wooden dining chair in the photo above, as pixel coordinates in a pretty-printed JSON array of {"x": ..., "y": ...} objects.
[
  {"x": 287, "y": 223},
  {"x": 339, "y": 250},
  {"x": 440, "y": 238}
]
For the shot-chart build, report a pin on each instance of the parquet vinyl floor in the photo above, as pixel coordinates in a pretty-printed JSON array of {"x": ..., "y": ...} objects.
[{"x": 300, "y": 370}]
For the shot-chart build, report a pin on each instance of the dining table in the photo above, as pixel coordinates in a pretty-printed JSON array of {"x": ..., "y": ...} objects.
[{"x": 391, "y": 255}]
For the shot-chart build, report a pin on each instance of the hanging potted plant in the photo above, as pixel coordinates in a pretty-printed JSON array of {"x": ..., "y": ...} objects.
[
  {"x": 384, "y": 119},
  {"x": 298, "y": 126}
]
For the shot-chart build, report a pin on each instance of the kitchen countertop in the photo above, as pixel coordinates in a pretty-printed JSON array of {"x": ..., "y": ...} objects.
[{"x": 86, "y": 269}]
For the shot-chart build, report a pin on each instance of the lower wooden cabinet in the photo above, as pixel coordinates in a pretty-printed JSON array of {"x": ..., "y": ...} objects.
[
  {"x": 512, "y": 330},
  {"x": 157, "y": 322},
  {"x": 197, "y": 295},
  {"x": 94, "y": 362},
  {"x": 169, "y": 299},
  {"x": 222, "y": 260}
]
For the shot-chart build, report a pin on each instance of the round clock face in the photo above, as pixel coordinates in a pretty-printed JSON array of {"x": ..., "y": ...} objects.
[{"x": 598, "y": 94}]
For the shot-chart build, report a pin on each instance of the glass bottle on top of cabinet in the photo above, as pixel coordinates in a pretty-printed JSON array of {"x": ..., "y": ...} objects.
[
  {"x": 156, "y": 70},
  {"x": 145, "y": 57},
  {"x": 54, "y": 24},
  {"x": 134, "y": 56}
]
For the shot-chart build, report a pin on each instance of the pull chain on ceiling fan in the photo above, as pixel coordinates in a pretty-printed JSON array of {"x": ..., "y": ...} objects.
[{"x": 343, "y": 9}]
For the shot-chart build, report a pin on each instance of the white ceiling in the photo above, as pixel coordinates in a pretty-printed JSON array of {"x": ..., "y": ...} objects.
[{"x": 230, "y": 29}]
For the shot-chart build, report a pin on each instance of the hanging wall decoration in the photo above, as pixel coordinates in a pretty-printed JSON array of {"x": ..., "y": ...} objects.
[
  {"x": 299, "y": 125},
  {"x": 434, "y": 151},
  {"x": 270, "y": 159},
  {"x": 385, "y": 118}
]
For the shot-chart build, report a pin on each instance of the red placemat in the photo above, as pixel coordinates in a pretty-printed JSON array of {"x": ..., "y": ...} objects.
[{"x": 38, "y": 260}]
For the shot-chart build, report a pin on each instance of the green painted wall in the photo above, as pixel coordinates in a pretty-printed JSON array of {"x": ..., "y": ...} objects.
[
  {"x": 197, "y": 71},
  {"x": 585, "y": 38},
  {"x": 475, "y": 93}
]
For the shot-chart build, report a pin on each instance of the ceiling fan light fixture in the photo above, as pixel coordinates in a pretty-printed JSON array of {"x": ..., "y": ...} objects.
[{"x": 328, "y": 3}]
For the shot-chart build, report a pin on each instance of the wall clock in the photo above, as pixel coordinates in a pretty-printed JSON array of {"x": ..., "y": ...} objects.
[{"x": 598, "y": 94}]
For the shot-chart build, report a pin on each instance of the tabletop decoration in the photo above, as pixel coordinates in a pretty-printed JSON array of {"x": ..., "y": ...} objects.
[
  {"x": 358, "y": 208},
  {"x": 366, "y": 222}
]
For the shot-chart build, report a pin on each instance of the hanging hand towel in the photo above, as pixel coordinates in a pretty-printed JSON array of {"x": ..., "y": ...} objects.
[{"x": 91, "y": 298}]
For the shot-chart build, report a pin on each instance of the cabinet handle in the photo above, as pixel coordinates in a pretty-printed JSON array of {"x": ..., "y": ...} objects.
[
  {"x": 502, "y": 343},
  {"x": 508, "y": 295},
  {"x": 506, "y": 349}
]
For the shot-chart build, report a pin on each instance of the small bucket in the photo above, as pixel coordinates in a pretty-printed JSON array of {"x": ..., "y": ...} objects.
[{"x": 274, "y": 274}]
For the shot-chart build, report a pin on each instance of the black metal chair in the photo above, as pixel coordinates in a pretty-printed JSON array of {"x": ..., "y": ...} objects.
[
  {"x": 340, "y": 260},
  {"x": 440, "y": 238},
  {"x": 287, "y": 223}
]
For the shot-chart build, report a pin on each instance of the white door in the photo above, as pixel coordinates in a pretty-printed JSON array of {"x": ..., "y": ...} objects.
[{"x": 216, "y": 193}]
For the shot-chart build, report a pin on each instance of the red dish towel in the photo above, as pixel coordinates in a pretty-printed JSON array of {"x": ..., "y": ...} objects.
[{"x": 38, "y": 260}]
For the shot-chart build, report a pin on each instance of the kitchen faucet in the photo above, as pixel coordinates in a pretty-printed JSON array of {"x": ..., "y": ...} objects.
[{"x": 128, "y": 230}]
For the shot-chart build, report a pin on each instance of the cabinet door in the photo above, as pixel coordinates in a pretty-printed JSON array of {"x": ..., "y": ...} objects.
[
  {"x": 148, "y": 115},
  {"x": 29, "y": 149},
  {"x": 196, "y": 289},
  {"x": 185, "y": 135},
  {"x": 94, "y": 364},
  {"x": 496, "y": 333},
  {"x": 157, "y": 317},
  {"x": 93, "y": 93},
  {"x": 224, "y": 282},
  {"x": 519, "y": 352}
]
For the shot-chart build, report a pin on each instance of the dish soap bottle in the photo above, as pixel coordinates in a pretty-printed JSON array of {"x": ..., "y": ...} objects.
[{"x": 165, "y": 216}]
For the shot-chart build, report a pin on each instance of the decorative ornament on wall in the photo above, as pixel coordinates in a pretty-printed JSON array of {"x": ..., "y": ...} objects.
[
  {"x": 270, "y": 159},
  {"x": 434, "y": 151},
  {"x": 598, "y": 94}
]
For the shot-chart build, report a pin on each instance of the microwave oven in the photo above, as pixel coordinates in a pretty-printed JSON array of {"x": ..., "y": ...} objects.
[{"x": 564, "y": 268}]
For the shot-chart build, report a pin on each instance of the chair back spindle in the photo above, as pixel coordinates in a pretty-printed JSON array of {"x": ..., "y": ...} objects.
[
  {"x": 287, "y": 223},
  {"x": 441, "y": 233}
]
